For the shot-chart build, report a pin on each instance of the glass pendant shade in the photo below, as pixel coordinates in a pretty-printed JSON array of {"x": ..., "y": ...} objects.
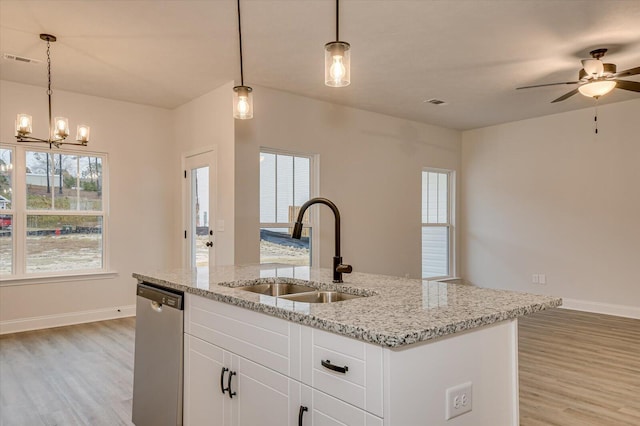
[
  {"x": 242, "y": 102},
  {"x": 337, "y": 64},
  {"x": 82, "y": 134},
  {"x": 595, "y": 89},
  {"x": 23, "y": 125},
  {"x": 61, "y": 127}
]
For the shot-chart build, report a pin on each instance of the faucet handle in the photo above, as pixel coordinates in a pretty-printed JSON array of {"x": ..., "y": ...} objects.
[{"x": 344, "y": 269}]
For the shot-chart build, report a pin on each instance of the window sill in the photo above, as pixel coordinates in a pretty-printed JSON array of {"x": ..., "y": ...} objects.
[{"x": 27, "y": 280}]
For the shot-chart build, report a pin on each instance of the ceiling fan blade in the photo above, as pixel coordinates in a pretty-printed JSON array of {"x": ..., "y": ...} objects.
[
  {"x": 565, "y": 96},
  {"x": 549, "y": 84},
  {"x": 634, "y": 86},
  {"x": 627, "y": 73}
]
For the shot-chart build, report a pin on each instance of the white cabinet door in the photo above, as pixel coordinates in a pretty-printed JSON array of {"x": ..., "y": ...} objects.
[
  {"x": 204, "y": 402},
  {"x": 264, "y": 397},
  {"x": 257, "y": 395}
]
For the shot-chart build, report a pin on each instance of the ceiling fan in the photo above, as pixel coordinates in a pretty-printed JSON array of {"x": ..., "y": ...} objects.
[{"x": 597, "y": 78}]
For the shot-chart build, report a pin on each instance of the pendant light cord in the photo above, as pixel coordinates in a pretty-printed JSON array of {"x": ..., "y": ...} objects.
[
  {"x": 240, "y": 38},
  {"x": 337, "y": 20}
]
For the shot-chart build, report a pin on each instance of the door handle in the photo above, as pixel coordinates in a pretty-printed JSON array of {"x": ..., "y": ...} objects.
[
  {"x": 222, "y": 388},
  {"x": 209, "y": 244},
  {"x": 338, "y": 369}
]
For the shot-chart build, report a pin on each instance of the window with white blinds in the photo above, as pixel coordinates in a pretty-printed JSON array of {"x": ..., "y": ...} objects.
[
  {"x": 437, "y": 229},
  {"x": 285, "y": 184}
]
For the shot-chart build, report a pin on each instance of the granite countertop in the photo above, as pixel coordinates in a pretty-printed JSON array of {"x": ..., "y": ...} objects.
[{"x": 395, "y": 313}]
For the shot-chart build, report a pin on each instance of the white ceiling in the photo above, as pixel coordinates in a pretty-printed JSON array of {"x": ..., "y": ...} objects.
[{"x": 471, "y": 54}]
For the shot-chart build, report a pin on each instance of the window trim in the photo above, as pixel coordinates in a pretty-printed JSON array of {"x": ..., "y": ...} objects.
[
  {"x": 450, "y": 224},
  {"x": 20, "y": 213},
  {"x": 314, "y": 190}
]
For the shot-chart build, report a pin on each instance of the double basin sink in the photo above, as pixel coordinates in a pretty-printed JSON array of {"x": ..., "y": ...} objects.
[{"x": 299, "y": 293}]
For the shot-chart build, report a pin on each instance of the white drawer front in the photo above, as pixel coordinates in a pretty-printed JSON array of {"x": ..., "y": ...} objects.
[
  {"x": 328, "y": 411},
  {"x": 360, "y": 383},
  {"x": 267, "y": 340}
]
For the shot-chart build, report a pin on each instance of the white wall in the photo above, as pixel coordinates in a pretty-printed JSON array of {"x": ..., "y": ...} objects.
[
  {"x": 207, "y": 122},
  {"x": 547, "y": 195},
  {"x": 136, "y": 139},
  {"x": 370, "y": 166}
]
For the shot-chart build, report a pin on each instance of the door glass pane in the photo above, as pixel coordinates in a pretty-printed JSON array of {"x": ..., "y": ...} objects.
[
  {"x": 200, "y": 215},
  {"x": 435, "y": 251},
  {"x": 63, "y": 243},
  {"x": 6, "y": 178},
  {"x": 277, "y": 246},
  {"x": 6, "y": 244}
]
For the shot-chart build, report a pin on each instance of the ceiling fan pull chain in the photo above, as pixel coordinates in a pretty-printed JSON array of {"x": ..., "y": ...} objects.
[{"x": 596, "y": 116}]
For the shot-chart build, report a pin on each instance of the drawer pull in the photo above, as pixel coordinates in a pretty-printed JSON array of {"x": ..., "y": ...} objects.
[
  {"x": 301, "y": 413},
  {"x": 222, "y": 388},
  {"x": 327, "y": 364}
]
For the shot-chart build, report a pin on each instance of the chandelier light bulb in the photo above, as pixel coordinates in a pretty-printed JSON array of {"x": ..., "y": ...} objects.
[
  {"x": 23, "y": 125},
  {"x": 61, "y": 127},
  {"x": 82, "y": 135}
]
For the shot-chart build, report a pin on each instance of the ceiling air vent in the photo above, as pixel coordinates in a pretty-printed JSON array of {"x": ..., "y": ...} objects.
[
  {"x": 434, "y": 101},
  {"x": 12, "y": 57}
]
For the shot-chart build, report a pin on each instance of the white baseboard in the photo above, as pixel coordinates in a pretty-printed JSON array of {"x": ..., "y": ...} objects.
[
  {"x": 602, "y": 308},
  {"x": 69, "y": 318}
]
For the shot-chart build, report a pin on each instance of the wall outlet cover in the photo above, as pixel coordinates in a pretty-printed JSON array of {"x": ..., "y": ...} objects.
[{"x": 459, "y": 400}]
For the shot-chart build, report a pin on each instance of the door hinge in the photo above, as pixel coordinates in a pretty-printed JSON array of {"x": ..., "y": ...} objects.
[
  {"x": 185, "y": 174},
  {"x": 185, "y": 234}
]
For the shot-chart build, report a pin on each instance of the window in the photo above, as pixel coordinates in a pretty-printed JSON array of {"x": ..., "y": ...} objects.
[
  {"x": 437, "y": 228},
  {"x": 52, "y": 212},
  {"x": 285, "y": 184}
]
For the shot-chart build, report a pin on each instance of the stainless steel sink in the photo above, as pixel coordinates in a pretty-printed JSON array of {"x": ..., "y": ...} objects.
[
  {"x": 321, "y": 297},
  {"x": 277, "y": 289}
]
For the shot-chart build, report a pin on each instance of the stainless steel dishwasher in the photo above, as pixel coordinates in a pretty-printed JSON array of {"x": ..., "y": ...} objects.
[{"x": 157, "y": 376}]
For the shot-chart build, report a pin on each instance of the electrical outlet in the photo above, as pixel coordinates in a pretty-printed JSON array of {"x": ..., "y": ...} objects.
[
  {"x": 535, "y": 278},
  {"x": 458, "y": 400}
]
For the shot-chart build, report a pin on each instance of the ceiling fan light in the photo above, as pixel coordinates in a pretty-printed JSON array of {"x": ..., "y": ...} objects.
[{"x": 595, "y": 89}]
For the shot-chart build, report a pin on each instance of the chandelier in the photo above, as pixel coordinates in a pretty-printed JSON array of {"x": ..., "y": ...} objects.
[{"x": 59, "y": 126}]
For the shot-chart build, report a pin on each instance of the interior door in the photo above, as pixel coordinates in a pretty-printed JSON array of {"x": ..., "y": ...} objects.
[{"x": 200, "y": 207}]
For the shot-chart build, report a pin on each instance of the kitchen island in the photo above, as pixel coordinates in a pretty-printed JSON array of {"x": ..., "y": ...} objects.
[{"x": 409, "y": 352}]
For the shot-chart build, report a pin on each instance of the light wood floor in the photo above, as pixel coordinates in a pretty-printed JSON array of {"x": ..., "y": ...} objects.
[
  {"x": 575, "y": 369},
  {"x": 76, "y": 375},
  {"x": 579, "y": 368}
]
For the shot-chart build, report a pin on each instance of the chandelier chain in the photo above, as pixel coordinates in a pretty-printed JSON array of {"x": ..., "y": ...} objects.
[{"x": 49, "y": 67}]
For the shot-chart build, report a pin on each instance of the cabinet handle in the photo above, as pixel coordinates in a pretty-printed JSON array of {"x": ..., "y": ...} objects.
[
  {"x": 231, "y": 393},
  {"x": 327, "y": 364},
  {"x": 301, "y": 413},
  {"x": 222, "y": 388}
]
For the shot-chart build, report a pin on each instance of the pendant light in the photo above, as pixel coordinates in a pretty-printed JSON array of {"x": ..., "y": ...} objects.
[
  {"x": 242, "y": 98},
  {"x": 59, "y": 126},
  {"x": 337, "y": 58}
]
